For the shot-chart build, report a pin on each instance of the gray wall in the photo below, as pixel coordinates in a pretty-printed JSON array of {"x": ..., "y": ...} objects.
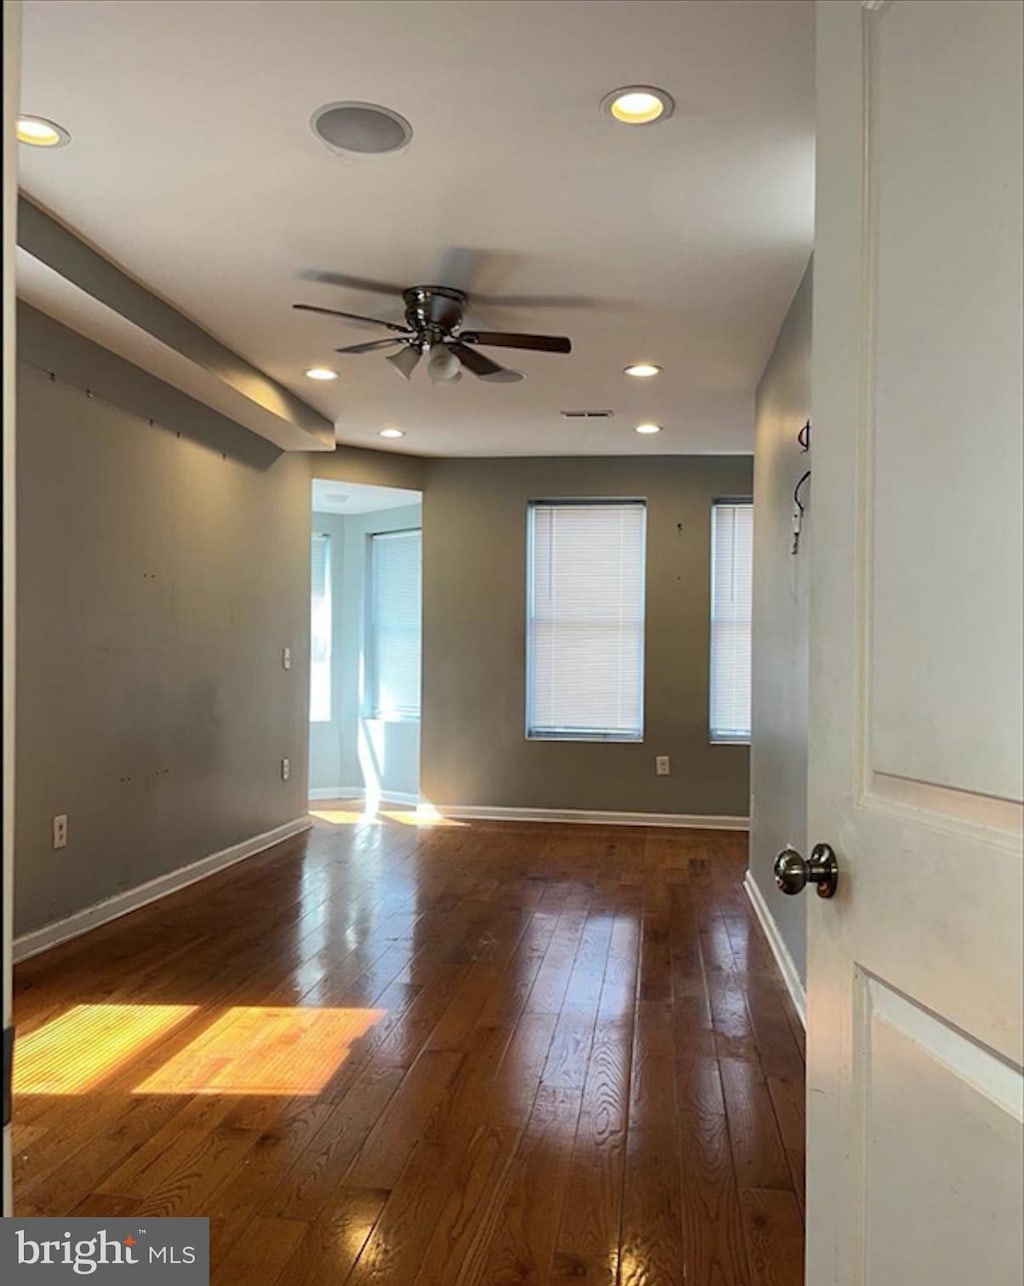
[
  {"x": 474, "y": 597},
  {"x": 162, "y": 568},
  {"x": 164, "y": 564},
  {"x": 338, "y": 749},
  {"x": 778, "y": 761}
]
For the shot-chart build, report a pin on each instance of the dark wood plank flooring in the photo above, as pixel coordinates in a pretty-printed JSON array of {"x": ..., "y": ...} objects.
[{"x": 463, "y": 1054}]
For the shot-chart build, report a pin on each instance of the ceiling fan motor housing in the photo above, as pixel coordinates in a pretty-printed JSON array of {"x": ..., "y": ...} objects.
[{"x": 436, "y": 307}]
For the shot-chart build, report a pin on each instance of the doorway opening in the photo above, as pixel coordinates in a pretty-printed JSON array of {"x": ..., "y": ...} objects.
[{"x": 365, "y": 640}]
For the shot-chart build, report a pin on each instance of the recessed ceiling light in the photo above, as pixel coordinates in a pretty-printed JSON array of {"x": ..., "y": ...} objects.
[
  {"x": 648, "y": 428},
  {"x": 643, "y": 370},
  {"x": 37, "y": 131},
  {"x": 360, "y": 127},
  {"x": 638, "y": 105},
  {"x": 321, "y": 373},
  {"x": 392, "y": 433}
]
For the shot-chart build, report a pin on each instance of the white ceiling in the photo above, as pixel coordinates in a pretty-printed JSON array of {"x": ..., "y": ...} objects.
[
  {"x": 246, "y": 401},
  {"x": 358, "y": 497},
  {"x": 192, "y": 165}
]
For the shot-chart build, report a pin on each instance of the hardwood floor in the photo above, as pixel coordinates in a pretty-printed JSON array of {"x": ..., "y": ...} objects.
[{"x": 467, "y": 1055}]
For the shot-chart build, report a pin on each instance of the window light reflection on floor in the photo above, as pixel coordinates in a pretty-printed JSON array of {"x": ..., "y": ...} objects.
[
  {"x": 422, "y": 815},
  {"x": 257, "y": 1050},
  {"x": 344, "y": 817},
  {"x": 348, "y": 813},
  {"x": 83, "y": 1047},
  {"x": 246, "y": 1050}
]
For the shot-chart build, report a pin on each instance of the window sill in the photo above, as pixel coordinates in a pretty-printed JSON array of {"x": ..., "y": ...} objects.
[
  {"x": 594, "y": 737},
  {"x": 725, "y": 740}
]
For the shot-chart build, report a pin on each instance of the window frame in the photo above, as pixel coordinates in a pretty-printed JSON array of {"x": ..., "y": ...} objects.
[
  {"x": 715, "y": 736},
  {"x": 584, "y": 734},
  {"x": 325, "y": 537},
  {"x": 371, "y": 651}
]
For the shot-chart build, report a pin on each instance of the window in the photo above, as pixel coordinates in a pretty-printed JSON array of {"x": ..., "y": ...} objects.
[
  {"x": 585, "y": 621},
  {"x": 732, "y": 553},
  {"x": 394, "y": 642},
  {"x": 320, "y": 630}
]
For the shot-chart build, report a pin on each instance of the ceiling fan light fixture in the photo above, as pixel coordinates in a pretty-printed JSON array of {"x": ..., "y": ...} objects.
[
  {"x": 642, "y": 370},
  {"x": 638, "y": 105},
  {"x": 37, "y": 131},
  {"x": 405, "y": 360},
  {"x": 392, "y": 433},
  {"x": 443, "y": 366},
  {"x": 321, "y": 373}
]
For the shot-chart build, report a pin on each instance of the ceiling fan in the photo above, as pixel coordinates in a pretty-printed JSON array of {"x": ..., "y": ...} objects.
[{"x": 433, "y": 328}]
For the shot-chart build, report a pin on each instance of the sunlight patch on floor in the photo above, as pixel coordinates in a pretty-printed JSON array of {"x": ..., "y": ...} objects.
[
  {"x": 423, "y": 815},
  {"x": 344, "y": 817},
  {"x": 75, "y": 1052},
  {"x": 353, "y": 813},
  {"x": 257, "y": 1050}
]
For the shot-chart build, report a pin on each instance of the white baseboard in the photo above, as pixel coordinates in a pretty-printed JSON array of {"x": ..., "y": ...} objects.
[
  {"x": 396, "y": 797},
  {"x": 335, "y": 792},
  {"x": 685, "y": 820},
  {"x": 50, "y": 935},
  {"x": 780, "y": 951},
  {"x": 359, "y": 792}
]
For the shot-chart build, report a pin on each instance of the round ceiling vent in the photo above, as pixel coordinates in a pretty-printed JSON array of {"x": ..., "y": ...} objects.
[{"x": 361, "y": 127}]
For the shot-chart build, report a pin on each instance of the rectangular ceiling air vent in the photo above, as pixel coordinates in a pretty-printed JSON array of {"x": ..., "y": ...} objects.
[{"x": 587, "y": 415}]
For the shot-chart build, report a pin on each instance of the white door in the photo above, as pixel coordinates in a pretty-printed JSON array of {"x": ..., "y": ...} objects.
[{"x": 914, "y": 1004}]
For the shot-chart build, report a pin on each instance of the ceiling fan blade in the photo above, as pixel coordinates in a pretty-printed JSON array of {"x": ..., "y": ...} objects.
[
  {"x": 460, "y": 266},
  {"x": 480, "y": 274},
  {"x": 506, "y": 339},
  {"x": 371, "y": 345},
  {"x": 482, "y": 366},
  {"x": 538, "y": 301},
  {"x": 473, "y": 361},
  {"x": 335, "y": 312},
  {"x": 352, "y": 283}
]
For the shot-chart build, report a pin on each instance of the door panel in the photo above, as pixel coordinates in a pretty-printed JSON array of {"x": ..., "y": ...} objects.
[
  {"x": 932, "y": 1197},
  {"x": 945, "y": 359},
  {"x": 914, "y": 968}
]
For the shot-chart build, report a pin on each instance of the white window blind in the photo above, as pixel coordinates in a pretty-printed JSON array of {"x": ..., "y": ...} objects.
[
  {"x": 396, "y": 567},
  {"x": 320, "y": 630},
  {"x": 732, "y": 557},
  {"x": 585, "y": 621}
]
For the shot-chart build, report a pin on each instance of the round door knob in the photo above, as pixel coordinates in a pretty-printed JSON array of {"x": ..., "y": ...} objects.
[{"x": 794, "y": 872}]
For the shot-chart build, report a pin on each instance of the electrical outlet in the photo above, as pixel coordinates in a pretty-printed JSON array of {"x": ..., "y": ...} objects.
[
  {"x": 286, "y": 658},
  {"x": 286, "y": 769},
  {"x": 662, "y": 765},
  {"x": 60, "y": 831}
]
